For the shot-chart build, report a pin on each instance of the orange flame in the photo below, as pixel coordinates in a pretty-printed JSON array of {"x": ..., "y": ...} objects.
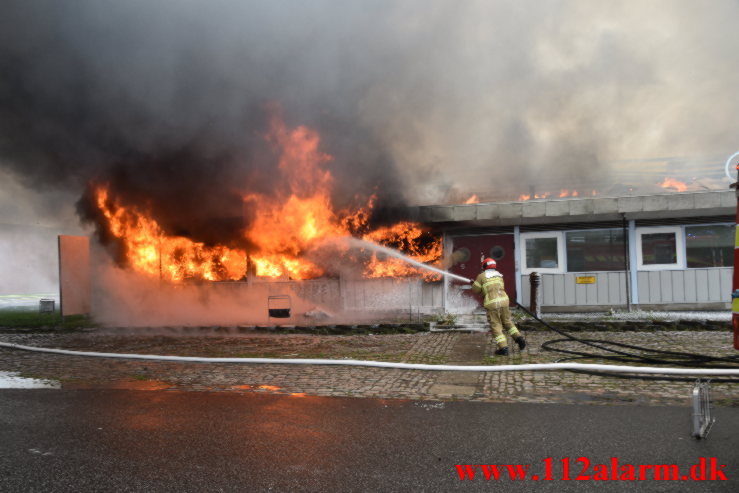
[
  {"x": 407, "y": 237},
  {"x": 283, "y": 226},
  {"x": 149, "y": 250},
  {"x": 564, "y": 193},
  {"x": 544, "y": 195},
  {"x": 472, "y": 200},
  {"x": 673, "y": 183}
]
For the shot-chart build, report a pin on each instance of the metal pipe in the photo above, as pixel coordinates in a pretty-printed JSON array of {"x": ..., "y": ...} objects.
[
  {"x": 627, "y": 261},
  {"x": 535, "y": 293}
]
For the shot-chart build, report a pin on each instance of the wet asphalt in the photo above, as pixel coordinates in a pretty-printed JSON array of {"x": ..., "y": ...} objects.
[{"x": 115, "y": 440}]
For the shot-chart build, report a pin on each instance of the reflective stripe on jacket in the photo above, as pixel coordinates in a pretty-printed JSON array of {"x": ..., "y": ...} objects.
[{"x": 490, "y": 283}]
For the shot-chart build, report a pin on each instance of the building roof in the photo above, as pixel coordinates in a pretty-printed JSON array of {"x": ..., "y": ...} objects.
[{"x": 591, "y": 209}]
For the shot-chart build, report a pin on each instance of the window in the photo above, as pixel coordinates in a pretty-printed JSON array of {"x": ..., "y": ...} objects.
[
  {"x": 659, "y": 248},
  {"x": 710, "y": 246},
  {"x": 599, "y": 250},
  {"x": 542, "y": 252}
]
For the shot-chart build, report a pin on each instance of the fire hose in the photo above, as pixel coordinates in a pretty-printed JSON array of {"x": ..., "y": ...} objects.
[
  {"x": 649, "y": 355},
  {"x": 616, "y": 369}
]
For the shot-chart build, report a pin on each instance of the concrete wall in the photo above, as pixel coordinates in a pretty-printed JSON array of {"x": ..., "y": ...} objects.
[
  {"x": 391, "y": 294},
  {"x": 361, "y": 294}
]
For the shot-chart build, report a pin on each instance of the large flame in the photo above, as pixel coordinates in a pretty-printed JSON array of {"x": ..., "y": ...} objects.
[
  {"x": 149, "y": 250},
  {"x": 283, "y": 226}
]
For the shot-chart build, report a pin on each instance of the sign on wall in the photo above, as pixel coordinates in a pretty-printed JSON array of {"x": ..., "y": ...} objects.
[{"x": 585, "y": 279}]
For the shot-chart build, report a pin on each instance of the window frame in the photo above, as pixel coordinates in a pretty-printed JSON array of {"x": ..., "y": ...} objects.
[
  {"x": 568, "y": 271},
  {"x": 561, "y": 267},
  {"x": 679, "y": 247},
  {"x": 685, "y": 236}
]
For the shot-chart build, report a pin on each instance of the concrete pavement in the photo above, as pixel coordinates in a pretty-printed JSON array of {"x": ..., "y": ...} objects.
[
  {"x": 107, "y": 440},
  {"x": 459, "y": 348}
]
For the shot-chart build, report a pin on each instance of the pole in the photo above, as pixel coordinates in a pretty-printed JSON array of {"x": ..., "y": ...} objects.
[
  {"x": 627, "y": 260},
  {"x": 735, "y": 284}
]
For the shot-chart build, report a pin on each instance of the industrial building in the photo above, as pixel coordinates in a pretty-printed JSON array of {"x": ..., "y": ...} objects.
[{"x": 666, "y": 251}]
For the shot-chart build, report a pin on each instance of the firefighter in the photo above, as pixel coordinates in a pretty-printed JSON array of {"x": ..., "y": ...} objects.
[{"x": 490, "y": 283}]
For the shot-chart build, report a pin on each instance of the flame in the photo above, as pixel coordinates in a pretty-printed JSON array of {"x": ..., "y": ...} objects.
[
  {"x": 407, "y": 237},
  {"x": 472, "y": 200},
  {"x": 283, "y": 226},
  {"x": 673, "y": 183},
  {"x": 564, "y": 193},
  {"x": 149, "y": 250},
  {"x": 567, "y": 193},
  {"x": 523, "y": 197}
]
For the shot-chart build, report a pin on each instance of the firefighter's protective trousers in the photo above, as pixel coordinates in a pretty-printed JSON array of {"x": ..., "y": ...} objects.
[{"x": 490, "y": 284}]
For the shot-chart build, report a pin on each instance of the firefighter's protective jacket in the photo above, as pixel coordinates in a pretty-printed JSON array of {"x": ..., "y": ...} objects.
[{"x": 490, "y": 284}]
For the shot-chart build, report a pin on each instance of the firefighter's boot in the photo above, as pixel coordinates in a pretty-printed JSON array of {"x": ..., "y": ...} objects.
[
  {"x": 521, "y": 342},
  {"x": 502, "y": 351}
]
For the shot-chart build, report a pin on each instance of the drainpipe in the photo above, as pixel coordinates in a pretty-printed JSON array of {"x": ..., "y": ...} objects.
[
  {"x": 535, "y": 297},
  {"x": 517, "y": 261},
  {"x": 627, "y": 261},
  {"x": 446, "y": 250}
]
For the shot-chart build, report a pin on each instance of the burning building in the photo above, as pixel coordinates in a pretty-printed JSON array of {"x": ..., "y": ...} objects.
[
  {"x": 168, "y": 118},
  {"x": 279, "y": 233},
  {"x": 293, "y": 240}
]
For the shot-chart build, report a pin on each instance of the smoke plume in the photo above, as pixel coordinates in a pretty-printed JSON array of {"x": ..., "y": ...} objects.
[{"x": 166, "y": 101}]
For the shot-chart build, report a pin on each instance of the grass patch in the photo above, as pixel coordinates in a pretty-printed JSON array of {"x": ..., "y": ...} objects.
[{"x": 31, "y": 319}]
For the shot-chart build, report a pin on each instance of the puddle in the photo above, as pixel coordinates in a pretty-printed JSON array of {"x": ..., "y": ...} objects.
[
  {"x": 272, "y": 388},
  {"x": 121, "y": 385},
  {"x": 139, "y": 385},
  {"x": 9, "y": 380}
]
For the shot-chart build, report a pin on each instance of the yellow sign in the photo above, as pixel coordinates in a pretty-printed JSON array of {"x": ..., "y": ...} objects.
[{"x": 585, "y": 279}]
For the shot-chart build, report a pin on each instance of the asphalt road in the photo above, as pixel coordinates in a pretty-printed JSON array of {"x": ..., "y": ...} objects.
[{"x": 109, "y": 440}]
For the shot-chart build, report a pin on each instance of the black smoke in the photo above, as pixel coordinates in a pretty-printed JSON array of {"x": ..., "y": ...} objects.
[
  {"x": 167, "y": 104},
  {"x": 167, "y": 98}
]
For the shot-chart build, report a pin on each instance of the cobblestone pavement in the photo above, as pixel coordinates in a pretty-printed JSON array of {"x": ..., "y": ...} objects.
[{"x": 432, "y": 348}]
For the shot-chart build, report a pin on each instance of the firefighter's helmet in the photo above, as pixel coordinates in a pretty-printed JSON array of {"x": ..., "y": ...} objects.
[{"x": 489, "y": 263}]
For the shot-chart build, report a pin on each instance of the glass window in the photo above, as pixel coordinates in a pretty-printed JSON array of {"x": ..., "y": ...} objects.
[
  {"x": 710, "y": 246},
  {"x": 659, "y": 248},
  {"x": 595, "y": 250},
  {"x": 541, "y": 253}
]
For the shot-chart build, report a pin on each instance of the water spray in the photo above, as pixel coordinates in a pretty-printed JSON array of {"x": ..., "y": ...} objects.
[{"x": 359, "y": 243}]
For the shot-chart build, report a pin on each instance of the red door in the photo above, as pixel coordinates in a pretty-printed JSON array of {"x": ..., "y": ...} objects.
[{"x": 468, "y": 251}]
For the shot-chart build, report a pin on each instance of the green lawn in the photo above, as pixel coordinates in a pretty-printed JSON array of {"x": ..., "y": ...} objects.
[{"x": 32, "y": 319}]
